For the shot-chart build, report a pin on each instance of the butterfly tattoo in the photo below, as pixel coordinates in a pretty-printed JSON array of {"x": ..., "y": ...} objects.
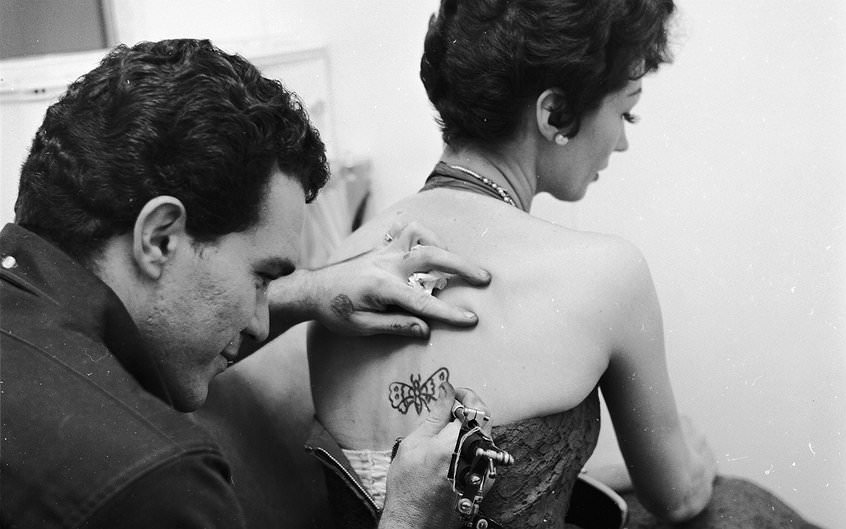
[{"x": 403, "y": 396}]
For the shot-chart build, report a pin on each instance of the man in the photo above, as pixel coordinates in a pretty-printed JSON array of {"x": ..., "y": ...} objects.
[{"x": 162, "y": 195}]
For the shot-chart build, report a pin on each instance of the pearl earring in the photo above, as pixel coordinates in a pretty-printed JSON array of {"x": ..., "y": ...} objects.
[{"x": 561, "y": 139}]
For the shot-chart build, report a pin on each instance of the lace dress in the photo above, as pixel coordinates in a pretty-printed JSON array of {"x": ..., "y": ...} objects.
[{"x": 549, "y": 452}]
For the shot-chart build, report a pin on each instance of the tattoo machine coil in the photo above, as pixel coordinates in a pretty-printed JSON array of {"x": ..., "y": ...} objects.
[{"x": 472, "y": 469}]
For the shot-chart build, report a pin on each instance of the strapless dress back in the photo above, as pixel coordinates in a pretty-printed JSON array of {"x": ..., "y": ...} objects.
[{"x": 549, "y": 453}]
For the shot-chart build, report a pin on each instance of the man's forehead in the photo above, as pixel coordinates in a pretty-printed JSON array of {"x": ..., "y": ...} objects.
[{"x": 279, "y": 230}]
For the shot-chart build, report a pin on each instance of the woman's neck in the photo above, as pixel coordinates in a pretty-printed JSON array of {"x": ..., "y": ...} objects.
[{"x": 507, "y": 172}]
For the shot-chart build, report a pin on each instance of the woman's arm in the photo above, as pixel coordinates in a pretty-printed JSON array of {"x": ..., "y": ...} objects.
[{"x": 671, "y": 466}]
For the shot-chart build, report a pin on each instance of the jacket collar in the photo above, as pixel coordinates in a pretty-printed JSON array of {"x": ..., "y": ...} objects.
[
  {"x": 84, "y": 303},
  {"x": 323, "y": 446}
]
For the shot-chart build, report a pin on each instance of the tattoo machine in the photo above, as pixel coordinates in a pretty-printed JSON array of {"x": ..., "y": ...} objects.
[{"x": 472, "y": 469}]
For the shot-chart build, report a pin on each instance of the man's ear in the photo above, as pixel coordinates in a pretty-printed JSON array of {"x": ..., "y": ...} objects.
[
  {"x": 550, "y": 99},
  {"x": 159, "y": 231}
]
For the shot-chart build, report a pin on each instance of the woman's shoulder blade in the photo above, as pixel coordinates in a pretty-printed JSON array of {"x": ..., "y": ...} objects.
[{"x": 513, "y": 244}]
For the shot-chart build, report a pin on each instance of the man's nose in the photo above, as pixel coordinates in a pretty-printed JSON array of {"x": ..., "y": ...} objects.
[{"x": 259, "y": 326}]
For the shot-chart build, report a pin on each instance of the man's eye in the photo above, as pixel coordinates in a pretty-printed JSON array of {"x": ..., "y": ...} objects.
[{"x": 631, "y": 118}]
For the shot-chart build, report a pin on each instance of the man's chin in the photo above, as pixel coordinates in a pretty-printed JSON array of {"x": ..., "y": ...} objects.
[
  {"x": 187, "y": 406},
  {"x": 191, "y": 397}
]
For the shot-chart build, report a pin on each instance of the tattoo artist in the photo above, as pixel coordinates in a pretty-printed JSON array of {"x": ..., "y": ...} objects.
[{"x": 163, "y": 195}]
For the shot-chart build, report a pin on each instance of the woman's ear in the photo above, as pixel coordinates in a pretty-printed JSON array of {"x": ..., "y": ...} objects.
[
  {"x": 548, "y": 103},
  {"x": 158, "y": 233}
]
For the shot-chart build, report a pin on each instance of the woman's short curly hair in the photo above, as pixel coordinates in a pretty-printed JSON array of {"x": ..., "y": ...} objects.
[
  {"x": 484, "y": 60},
  {"x": 176, "y": 117}
]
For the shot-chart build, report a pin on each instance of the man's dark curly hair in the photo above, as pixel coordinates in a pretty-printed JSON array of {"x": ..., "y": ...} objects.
[
  {"x": 484, "y": 60},
  {"x": 176, "y": 117}
]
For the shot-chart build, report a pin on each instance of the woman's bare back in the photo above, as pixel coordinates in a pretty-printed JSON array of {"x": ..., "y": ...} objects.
[{"x": 543, "y": 341}]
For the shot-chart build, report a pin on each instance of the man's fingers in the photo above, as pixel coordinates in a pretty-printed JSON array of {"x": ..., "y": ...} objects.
[
  {"x": 369, "y": 323},
  {"x": 472, "y": 407},
  {"x": 440, "y": 411},
  {"x": 468, "y": 398},
  {"x": 427, "y": 258},
  {"x": 429, "y": 307},
  {"x": 412, "y": 234}
]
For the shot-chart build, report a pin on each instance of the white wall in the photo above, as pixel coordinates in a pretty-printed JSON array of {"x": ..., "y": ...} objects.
[
  {"x": 381, "y": 106},
  {"x": 733, "y": 188}
]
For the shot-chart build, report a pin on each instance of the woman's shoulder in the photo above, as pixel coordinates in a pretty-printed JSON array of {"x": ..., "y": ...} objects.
[
  {"x": 602, "y": 275},
  {"x": 500, "y": 237},
  {"x": 603, "y": 255},
  {"x": 618, "y": 265},
  {"x": 616, "y": 255}
]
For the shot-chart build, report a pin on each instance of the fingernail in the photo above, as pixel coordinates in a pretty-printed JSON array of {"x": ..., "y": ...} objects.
[
  {"x": 470, "y": 315},
  {"x": 417, "y": 330}
]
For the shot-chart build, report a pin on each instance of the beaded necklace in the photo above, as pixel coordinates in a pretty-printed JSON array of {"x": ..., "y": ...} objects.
[{"x": 498, "y": 189}]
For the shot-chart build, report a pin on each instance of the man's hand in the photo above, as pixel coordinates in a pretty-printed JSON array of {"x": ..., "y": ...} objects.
[
  {"x": 369, "y": 293},
  {"x": 418, "y": 493}
]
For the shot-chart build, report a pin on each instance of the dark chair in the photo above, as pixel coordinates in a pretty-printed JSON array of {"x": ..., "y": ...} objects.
[{"x": 595, "y": 505}]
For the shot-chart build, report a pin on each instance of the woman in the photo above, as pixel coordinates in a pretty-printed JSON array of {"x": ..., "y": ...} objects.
[{"x": 533, "y": 96}]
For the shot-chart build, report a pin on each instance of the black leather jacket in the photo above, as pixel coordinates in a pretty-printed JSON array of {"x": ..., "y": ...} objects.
[
  {"x": 88, "y": 439},
  {"x": 350, "y": 504}
]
